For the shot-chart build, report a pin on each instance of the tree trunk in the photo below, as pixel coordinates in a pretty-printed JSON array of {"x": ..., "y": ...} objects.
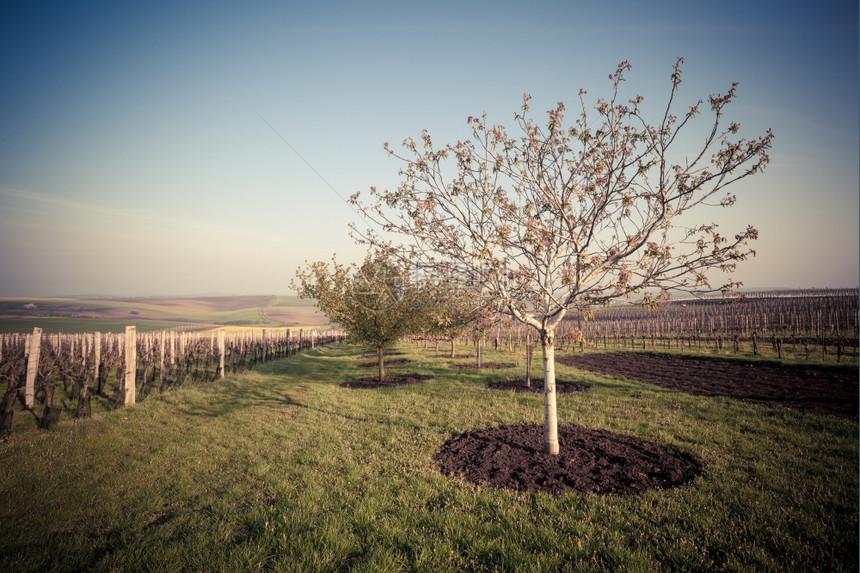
[
  {"x": 380, "y": 358},
  {"x": 453, "y": 347},
  {"x": 550, "y": 433}
]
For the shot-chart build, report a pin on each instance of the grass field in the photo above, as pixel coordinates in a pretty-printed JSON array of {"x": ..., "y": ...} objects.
[{"x": 280, "y": 469}]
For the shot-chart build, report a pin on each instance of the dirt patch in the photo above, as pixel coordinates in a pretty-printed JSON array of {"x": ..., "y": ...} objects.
[
  {"x": 589, "y": 461},
  {"x": 393, "y": 362},
  {"x": 390, "y": 381},
  {"x": 519, "y": 385},
  {"x": 815, "y": 389},
  {"x": 484, "y": 366}
]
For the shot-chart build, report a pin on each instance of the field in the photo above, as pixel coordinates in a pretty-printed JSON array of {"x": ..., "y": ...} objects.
[
  {"x": 283, "y": 469},
  {"x": 113, "y": 314}
]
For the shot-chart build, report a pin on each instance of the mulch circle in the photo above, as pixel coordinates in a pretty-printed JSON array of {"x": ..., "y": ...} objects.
[
  {"x": 589, "y": 461},
  {"x": 392, "y": 362},
  {"x": 822, "y": 390},
  {"x": 519, "y": 385},
  {"x": 390, "y": 381},
  {"x": 484, "y": 366}
]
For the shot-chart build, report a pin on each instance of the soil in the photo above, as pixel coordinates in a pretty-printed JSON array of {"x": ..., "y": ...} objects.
[
  {"x": 393, "y": 362},
  {"x": 589, "y": 461},
  {"x": 390, "y": 381},
  {"x": 519, "y": 385},
  {"x": 822, "y": 390},
  {"x": 484, "y": 366},
  {"x": 598, "y": 462}
]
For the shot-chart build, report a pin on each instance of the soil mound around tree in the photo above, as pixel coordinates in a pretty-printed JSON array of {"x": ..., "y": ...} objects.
[
  {"x": 519, "y": 385},
  {"x": 484, "y": 366},
  {"x": 589, "y": 461},
  {"x": 390, "y": 381},
  {"x": 393, "y": 362},
  {"x": 822, "y": 390}
]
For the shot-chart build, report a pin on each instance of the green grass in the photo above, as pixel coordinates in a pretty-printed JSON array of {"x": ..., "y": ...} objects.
[{"x": 280, "y": 469}]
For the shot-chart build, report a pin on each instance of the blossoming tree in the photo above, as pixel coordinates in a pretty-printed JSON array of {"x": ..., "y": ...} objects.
[{"x": 559, "y": 218}]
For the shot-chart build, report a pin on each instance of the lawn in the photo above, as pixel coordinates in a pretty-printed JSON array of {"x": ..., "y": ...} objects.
[{"x": 281, "y": 469}]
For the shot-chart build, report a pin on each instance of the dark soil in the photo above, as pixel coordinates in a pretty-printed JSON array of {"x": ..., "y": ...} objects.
[
  {"x": 392, "y": 362},
  {"x": 823, "y": 390},
  {"x": 390, "y": 381},
  {"x": 600, "y": 462},
  {"x": 484, "y": 366},
  {"x": 519, "y": 385},
  {"x": 589, "y": 461}
]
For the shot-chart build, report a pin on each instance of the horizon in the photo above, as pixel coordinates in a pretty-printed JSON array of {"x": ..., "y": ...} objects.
[
  {"x": 107, "y": 297},
  {"x": 156, "y": 144}
]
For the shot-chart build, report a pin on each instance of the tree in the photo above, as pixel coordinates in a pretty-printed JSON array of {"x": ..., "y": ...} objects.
[
  {"x": 374, "y": 303},
  {"x": 567, "y": 217},
  {"x": 452, "y": 310}
]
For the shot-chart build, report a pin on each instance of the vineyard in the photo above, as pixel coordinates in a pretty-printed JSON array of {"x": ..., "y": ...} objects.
[
  {"x": 73, "y": 374},
  {"x": 76, "y": 373},
  {"x": 820, "y": 326},
  {"x": 808, "y": 325}
]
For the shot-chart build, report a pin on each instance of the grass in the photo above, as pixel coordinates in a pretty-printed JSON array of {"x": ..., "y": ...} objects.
[{"x": 280, "y": 469}]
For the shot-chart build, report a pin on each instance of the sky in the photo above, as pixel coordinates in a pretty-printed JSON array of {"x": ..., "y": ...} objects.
[{"x": 192, "y": 148}]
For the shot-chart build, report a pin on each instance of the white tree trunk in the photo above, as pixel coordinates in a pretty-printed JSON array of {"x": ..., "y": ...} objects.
[
  {"x": 380, "y": 357},
  {"x": 550, "y": 432}
]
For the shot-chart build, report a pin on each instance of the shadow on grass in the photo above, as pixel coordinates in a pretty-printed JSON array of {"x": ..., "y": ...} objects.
[{"x": 271, "y": 385}]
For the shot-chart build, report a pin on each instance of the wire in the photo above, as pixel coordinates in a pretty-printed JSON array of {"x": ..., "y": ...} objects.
[{"x": 308, "y": 164}]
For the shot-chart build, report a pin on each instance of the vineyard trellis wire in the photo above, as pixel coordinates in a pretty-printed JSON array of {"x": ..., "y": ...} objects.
[{"x": 121, "y": 369}]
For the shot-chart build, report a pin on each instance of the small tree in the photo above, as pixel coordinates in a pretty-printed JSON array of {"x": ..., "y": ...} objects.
[
  {"x": 562, "y": 218},
  {"x": 374, "y": 303},
  {"x": 453, "y": 310}
]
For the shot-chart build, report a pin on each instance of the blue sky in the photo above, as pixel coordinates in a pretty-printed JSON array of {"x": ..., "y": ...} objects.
[{"x": 135, "y": 157}]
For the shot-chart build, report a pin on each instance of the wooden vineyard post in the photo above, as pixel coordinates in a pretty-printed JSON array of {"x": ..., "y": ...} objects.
[
  {"x": 529, "y": 349},
  {"x": 264, "y": 346},
  {"x": 32, "y": 367},
  {"x": 162, "y": 375},
  {"x": 130, "y": 363},
  {"x": 97, "y": 354},
  {"x": 221, "y": 334}
]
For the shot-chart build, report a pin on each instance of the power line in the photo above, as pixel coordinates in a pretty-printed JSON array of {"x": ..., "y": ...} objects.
[{"x": 308, "y": 164}]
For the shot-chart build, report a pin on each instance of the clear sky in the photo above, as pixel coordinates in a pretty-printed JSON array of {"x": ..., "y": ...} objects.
[{"x": 135, "y": 157}]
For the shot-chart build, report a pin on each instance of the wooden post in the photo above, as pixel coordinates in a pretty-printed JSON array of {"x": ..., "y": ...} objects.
[
  {"x": 172, "y": 348},
  {"x": 97, "y": 354},
  {"x": 529, "y": 349},
  {"x": 130, "y": 363},
  {"x": 32, "y": 367},
  {"x": 221, "y": 351},
  {"x": 161, "y": 348},
  {"x": 264, "y": 346}
]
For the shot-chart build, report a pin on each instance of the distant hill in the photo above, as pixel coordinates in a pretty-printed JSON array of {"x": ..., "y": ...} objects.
[{"x": 219, "y": 310}]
